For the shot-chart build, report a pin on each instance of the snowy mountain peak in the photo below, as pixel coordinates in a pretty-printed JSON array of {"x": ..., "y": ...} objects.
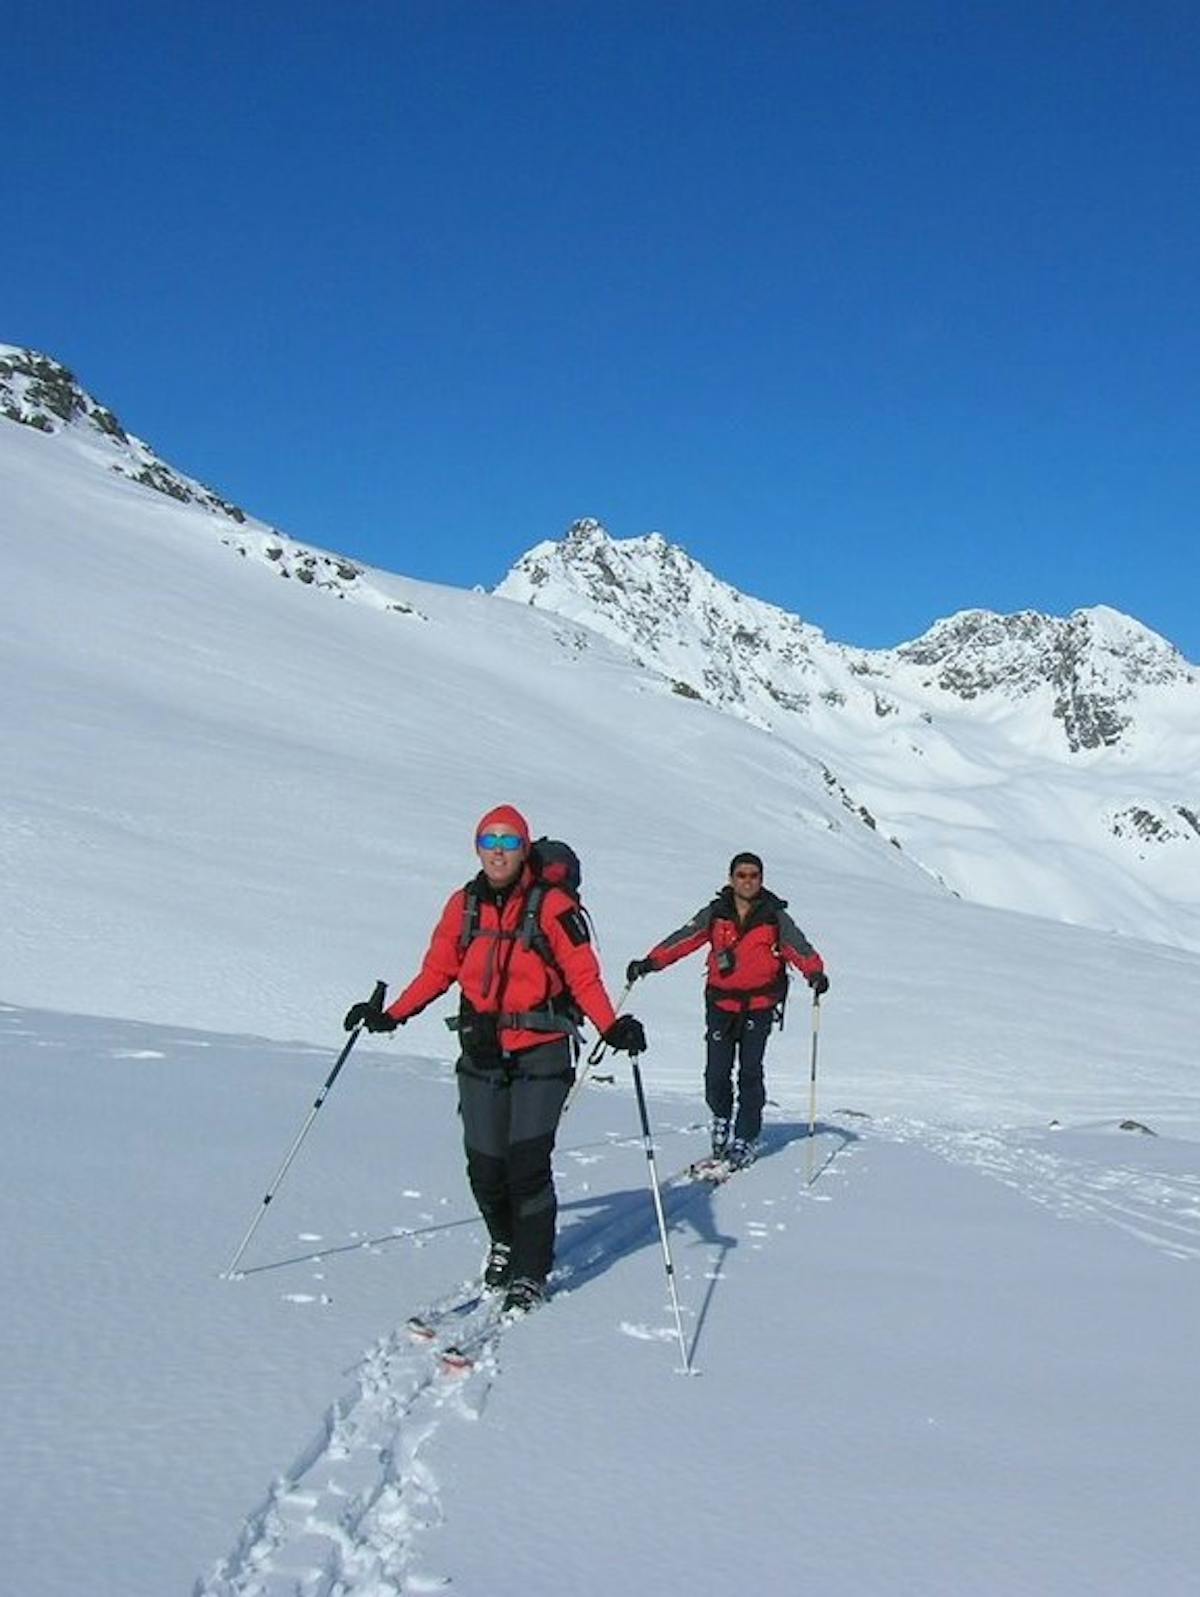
[
  {"x": 40, "y": 393},
  {"x": 710, "y": 641},
  {"x": 1094, "y": 661},
  {"x": 754, "y": 659},
  {"x": 37, "y": 391},
  {"x": 1099, "y": 639},
  {"x": 1058, "y": 737}
]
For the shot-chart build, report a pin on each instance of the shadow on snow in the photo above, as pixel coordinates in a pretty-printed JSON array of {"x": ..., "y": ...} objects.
[{"x": 615, "y": 1225}]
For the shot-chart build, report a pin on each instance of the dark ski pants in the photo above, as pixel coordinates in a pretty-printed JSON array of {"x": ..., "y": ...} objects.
[
  {"x": 737, "y": 1037},
  {"x": 510, "y": 1112}
]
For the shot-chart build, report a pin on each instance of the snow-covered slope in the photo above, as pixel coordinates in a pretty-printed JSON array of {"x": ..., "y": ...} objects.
[
  {"x": 230, "y": 802},
  {"x": 41, "y": 394},
  {"x": 1028, "y": 761}
]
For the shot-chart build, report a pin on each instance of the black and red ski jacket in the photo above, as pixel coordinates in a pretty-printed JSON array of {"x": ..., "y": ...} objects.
[
  {"x": 502, "y": 975},
  {"x": 747, "y": 960}
]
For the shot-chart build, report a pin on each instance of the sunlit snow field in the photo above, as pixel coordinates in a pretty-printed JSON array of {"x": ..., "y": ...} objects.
[{"x": 960, "y": 1360}]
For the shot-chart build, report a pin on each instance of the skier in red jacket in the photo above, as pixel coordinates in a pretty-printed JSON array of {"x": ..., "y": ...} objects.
[
  {"x": 521, "y": 953},
  {"x": 751, "y": 941}
]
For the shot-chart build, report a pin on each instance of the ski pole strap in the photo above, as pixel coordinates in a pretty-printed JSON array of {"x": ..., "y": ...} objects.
[{"x": 599, "y": 1047}]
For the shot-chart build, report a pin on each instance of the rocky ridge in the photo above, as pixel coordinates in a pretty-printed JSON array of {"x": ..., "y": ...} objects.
[
  {"x": 1082, "y": 732},
  {"x": 1093, "y": 661},
  {"x": 41, "y": 393},
  {"x": 757, "y": 660}
]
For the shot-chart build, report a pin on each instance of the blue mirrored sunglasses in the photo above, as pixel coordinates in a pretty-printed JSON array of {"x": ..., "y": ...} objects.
[{"x": 508, "y": 841}]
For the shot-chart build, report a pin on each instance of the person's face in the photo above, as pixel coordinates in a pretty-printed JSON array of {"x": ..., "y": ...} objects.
[
  {"x": 502, "y": 855},
  {"x": 746, "y": 881}
]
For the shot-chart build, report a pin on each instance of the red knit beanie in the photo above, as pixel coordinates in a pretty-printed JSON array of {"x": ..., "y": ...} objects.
[{"x": 505, "y": 818}]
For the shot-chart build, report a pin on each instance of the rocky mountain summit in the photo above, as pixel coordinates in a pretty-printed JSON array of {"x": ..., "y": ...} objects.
[
  {"x": 1094, "y": 661},
  {"x": 754, "y": 659},
  {"x": 38, "y": 392},
  {"x": 994, "y": 749}
]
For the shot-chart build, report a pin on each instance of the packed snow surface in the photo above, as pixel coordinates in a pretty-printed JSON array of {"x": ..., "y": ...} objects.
[{"x": 961, "y": 1359}]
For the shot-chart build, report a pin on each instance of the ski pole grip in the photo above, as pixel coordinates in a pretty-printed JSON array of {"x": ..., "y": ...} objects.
[{"x": 379, "y": 995}]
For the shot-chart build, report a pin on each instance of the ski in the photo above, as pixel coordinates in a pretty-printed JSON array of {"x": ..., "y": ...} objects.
[
  {"x": 459, "y": 1356},
  {"x": 714, "y": 1171},
  {"x": 455, "y": 1361},
  {"x": 471, "y": 1328},
  {"x": 456, "y": 1329},
  {"x": 427, "y": 1324},
  {"x": 422, "y": 1329}
]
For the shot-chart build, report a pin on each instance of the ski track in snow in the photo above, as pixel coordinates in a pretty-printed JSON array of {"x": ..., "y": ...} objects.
[
  {"x": 347, "y": 1516},
  {"x": 1157, "y": 1207},
  {"x": 344, "y": 1518}
]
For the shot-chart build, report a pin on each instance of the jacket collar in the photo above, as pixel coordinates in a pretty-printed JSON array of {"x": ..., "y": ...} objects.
[
  {"x": 487, "y": 894},
  {"x": 765, "y": 906}
]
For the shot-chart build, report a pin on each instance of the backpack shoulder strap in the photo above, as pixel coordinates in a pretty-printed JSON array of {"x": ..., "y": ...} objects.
[
  {"x": 470, "y": 920},
  {"x": 532, "y": 935}
]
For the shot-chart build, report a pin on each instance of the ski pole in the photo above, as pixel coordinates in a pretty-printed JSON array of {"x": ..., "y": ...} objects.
[
  {"x": 812, "y": 1090},
  {"x": 376, "y": 1003},
  {"x": 658, "y": 1210},
  {"x": 597, "y": 1053}
]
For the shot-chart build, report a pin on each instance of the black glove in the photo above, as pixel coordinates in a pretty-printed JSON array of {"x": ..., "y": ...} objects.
[
  {"x": 637, "y": 968},
  {"x": 819, "y": 982},
  {"x": 370, "y": 1015},
  {"x": 626, "y": 1035}
]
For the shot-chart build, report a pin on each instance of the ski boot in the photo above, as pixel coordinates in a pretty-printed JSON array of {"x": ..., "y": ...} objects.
[
  {"x": 497, "y": 1267},
  {"x": 523, "y": 1295},
  {"x": 741, "y": 1153}
]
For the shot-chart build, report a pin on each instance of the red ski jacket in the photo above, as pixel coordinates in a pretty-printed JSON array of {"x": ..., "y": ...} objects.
[
  {"x": 498, "y": 974},
  {"x": 747, "y": 960}
]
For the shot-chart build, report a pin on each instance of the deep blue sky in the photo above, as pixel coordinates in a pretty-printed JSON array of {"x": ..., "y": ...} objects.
[{"x": 882, "y": 310}]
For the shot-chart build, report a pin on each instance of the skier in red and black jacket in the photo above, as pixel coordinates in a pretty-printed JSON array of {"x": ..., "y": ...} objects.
[
  {"x": 524, "y": 989},
  {"x": 751, "y": 941}
]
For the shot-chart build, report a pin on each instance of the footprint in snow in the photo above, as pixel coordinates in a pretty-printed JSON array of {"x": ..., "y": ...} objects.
[{"x": 647, "y": 1333}]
